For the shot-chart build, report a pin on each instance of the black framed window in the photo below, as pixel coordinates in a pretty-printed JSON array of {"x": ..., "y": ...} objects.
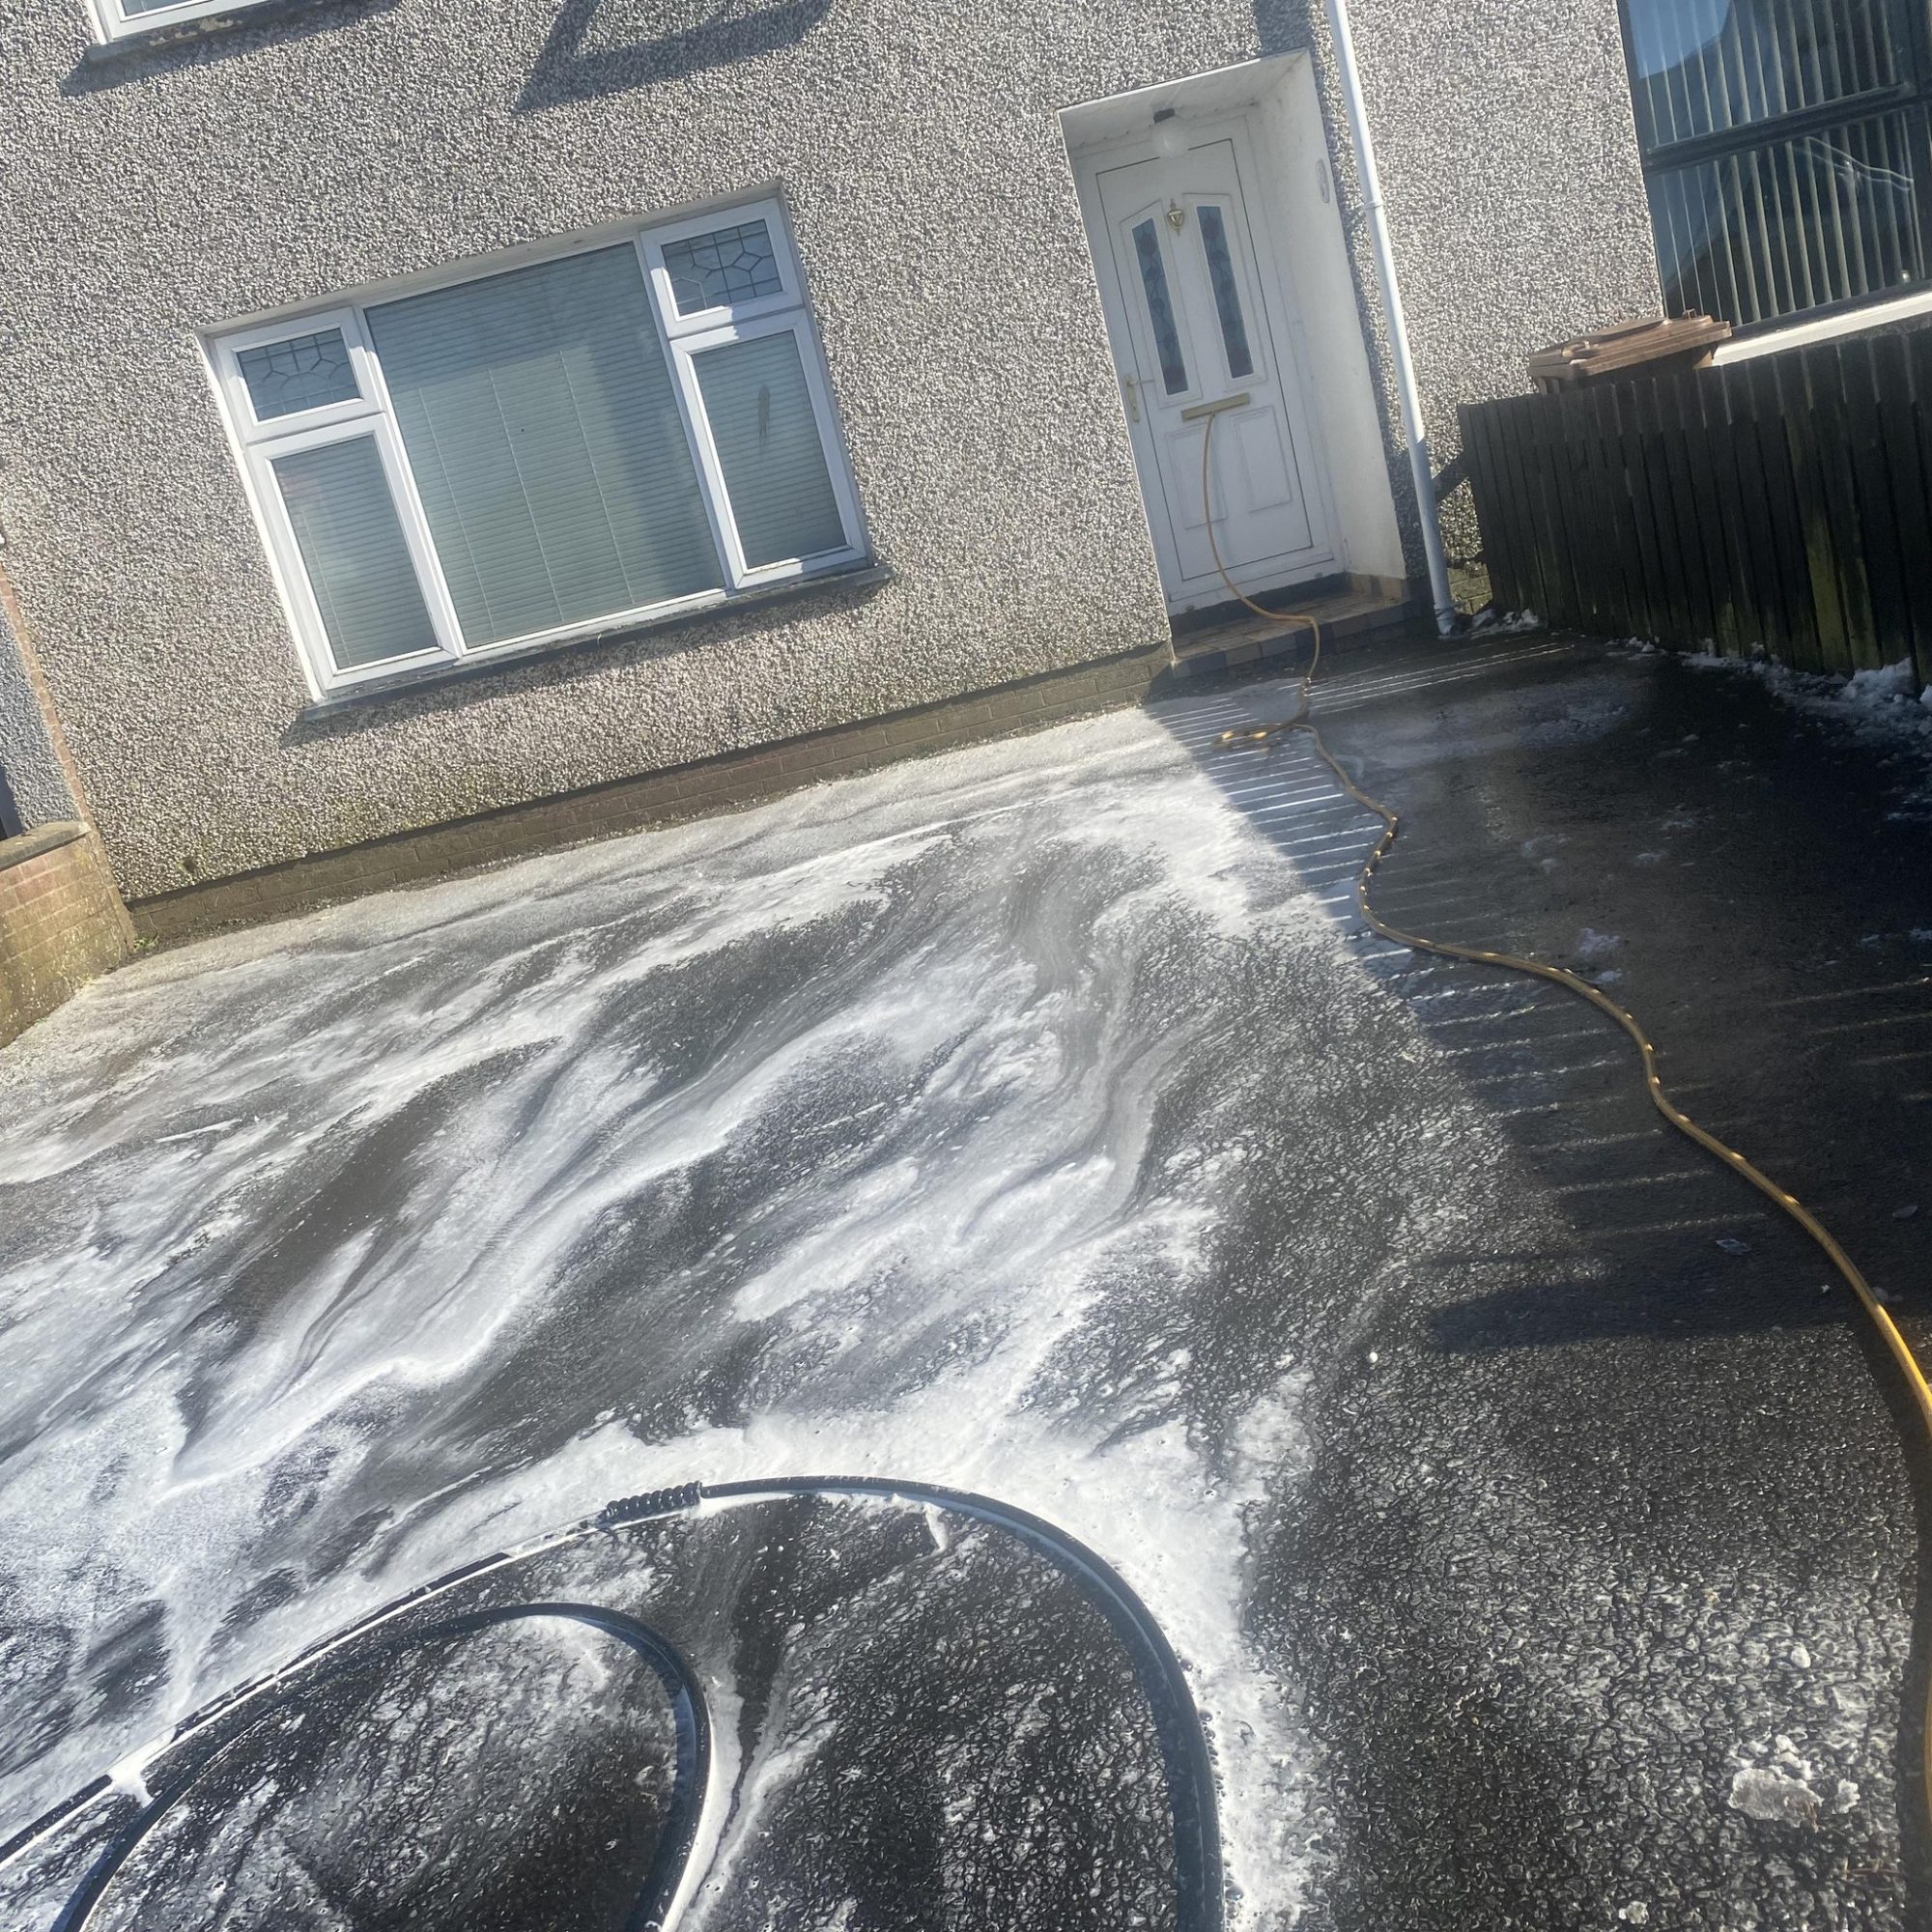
[{"x": 1787, "y": 150}]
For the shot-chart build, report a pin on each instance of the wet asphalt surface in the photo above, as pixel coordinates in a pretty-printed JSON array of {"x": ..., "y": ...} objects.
[
  {"x": 1604, "y": 1514},
  {"x": 1543, "y": 1543},
  {"x": 922, "y": 1722}
]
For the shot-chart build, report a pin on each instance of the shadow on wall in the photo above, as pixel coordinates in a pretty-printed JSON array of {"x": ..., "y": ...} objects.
[
  {"x": 1285, "y": 26},
  {"x": 608, "y": 46}
]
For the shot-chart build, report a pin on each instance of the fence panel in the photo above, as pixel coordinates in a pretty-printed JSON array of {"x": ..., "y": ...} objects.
[{"x": 1782, "y": 502}]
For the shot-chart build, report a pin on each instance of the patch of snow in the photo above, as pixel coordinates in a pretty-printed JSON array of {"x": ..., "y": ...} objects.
[
  {"x": 1880, "y": 708},
  {"x": 1773, "y": 1797},
  {"x": 1886, "y": 686},
  {"x": 129, "y": 1774},
  {"x": 1592, "y": 946},
  {"x": 1493, "y": 623}
]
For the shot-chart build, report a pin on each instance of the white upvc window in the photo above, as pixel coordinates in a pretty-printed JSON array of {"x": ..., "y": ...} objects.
[
  {"x": 517, "y": 456},
  {"x": 119, "y": 19}
]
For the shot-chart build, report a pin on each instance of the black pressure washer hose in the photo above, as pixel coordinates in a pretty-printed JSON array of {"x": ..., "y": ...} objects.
[
  {"x": 1184, "y": 1745},
  {"x": 680, "y": 1824}
]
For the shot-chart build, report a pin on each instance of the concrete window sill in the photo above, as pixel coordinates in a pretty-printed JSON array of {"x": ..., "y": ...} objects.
[{"x": 862, "y": 577}]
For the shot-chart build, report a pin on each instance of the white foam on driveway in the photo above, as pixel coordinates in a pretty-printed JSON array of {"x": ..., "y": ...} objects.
[{"x": 894, "y": 1128}]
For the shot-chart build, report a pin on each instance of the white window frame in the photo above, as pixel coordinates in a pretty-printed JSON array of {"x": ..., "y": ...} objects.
[
  {"x": 258, "y": 442},
  {"x": 711, "y": 469},
  {"x": 111, "y": 23}
]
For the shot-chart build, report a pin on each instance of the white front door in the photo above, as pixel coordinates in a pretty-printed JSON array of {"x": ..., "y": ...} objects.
[{"x": 1200, "y": 316}]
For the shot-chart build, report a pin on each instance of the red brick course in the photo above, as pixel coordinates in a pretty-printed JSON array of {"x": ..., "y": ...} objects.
[{"x": 61, "y": 922}]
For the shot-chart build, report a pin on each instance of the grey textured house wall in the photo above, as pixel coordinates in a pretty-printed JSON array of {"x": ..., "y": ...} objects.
[
  {"x": 1515, "y": 198},
  {"x": 30, "y": 766},
  {"x": 171, "y": 189}
]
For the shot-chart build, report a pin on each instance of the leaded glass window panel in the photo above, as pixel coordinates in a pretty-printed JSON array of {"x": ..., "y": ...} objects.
[
  {"x": 306, "y": 372},
  {"x": 729, "y": 265},
  {"x": 1160, "y": 307},
  {"x": 1227, "y": 292}
]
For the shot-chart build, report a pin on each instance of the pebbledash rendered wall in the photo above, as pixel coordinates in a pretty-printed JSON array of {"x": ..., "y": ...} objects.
[{"x": 164, "y": 189}]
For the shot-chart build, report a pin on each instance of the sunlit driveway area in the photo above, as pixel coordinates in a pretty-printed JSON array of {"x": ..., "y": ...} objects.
[{"x": 1537, "y": 1532}]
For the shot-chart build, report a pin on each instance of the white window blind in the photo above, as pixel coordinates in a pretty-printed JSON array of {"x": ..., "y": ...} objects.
[
  {"x": 759, "y": 408},
  {"x": 544, "y": 435},
  {"x": 350, "y": 543},
  {"x": 549, "y": 451},
  {"x": 1787, "y": 147}
]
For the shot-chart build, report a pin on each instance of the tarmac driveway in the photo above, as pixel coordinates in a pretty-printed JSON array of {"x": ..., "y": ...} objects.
[{"x": 1038, "y": 1120}]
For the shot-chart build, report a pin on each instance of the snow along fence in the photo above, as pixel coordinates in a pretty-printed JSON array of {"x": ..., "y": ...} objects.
[{"x": 1775, "y": 504}]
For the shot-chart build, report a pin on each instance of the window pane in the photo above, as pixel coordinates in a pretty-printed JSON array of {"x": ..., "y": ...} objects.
[
  {"x": 545, "y": 439},
  {"x": 1160, "y": 308},
  {"x": 352, "y": 545},
  {"x": 1789, "y": 225},
  {"x": 1702, "y": 65},
  {"x": 302, "y": 373},
  {"x": 760, "y": 415},
  {"x": 729, "y": 264},
  {"x": 1227, "y": 293}
]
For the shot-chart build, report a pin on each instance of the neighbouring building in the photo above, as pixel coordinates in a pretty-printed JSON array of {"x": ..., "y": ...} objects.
[
  {"x": 61, "y": 920},
  {"x": 431, "y": 429}
]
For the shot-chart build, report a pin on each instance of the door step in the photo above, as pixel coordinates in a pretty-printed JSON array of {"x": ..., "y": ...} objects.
[{"x": 1346, "y": 616}]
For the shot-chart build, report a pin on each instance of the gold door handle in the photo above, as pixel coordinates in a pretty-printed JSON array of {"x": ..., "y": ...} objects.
[{"x": 1133, "y": 390}]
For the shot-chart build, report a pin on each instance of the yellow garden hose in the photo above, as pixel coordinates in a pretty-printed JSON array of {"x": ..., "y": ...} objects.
[{"x": 1853, "y": 1278}]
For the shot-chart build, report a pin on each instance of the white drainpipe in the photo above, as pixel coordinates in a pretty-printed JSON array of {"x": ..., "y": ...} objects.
[{"x": 1419, "y": 464}]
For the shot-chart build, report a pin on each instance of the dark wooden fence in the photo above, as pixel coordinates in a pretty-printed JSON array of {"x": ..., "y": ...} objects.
[{"x": 1784, "y": 502}]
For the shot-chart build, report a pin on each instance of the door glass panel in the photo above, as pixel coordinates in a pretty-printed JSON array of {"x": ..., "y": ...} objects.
[
  {"x": 546, "y": 446},
  {"x": 1160, "y": 307},
  {"x": 1227, "y": 295},
  {"x": 762, "y": 420},
  {"x": 352, "y": 545}
]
